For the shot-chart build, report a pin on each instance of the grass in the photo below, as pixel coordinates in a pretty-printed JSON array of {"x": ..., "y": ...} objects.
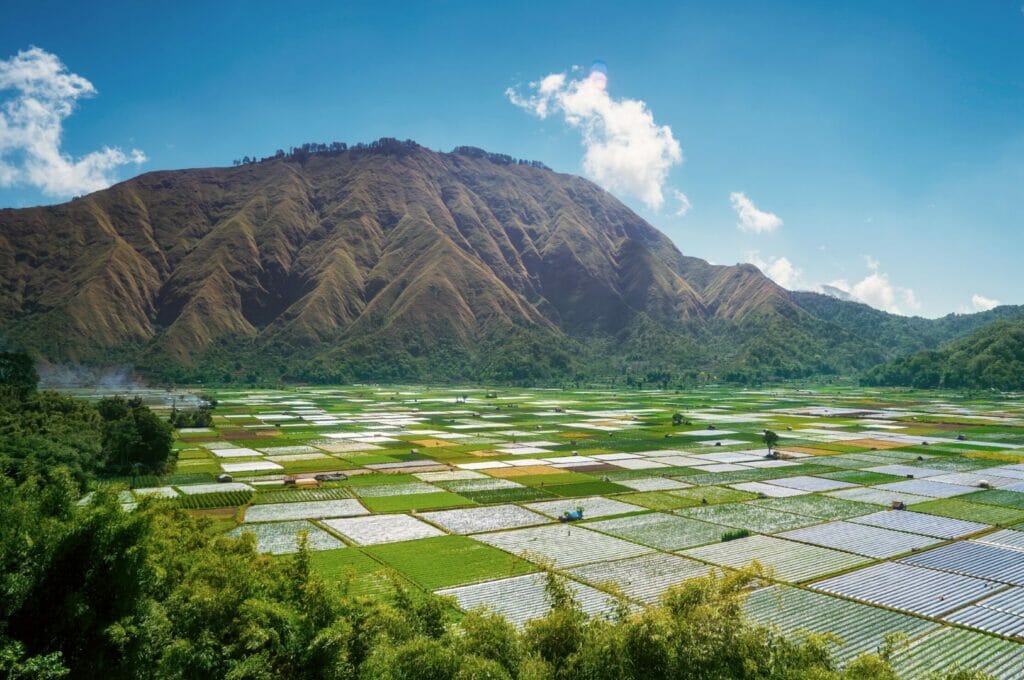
[
  {"x": 526, "y": 493},
  {"x": 445, "y": 561},
  {"x": 862, "y": 477},
  {"x": 554, "y": 479},
  {"x": 419, "y": 501},
  {"x": 219, "y": 499},
  {"x": 1006, "y": 499},
  {"x": 313, "y": 465},
  {"x": 735, "y": 534},
  {"x": 657, "y": 500},
  {"x": 972, "y": 512},
  {"x": 352, "y": 570}
]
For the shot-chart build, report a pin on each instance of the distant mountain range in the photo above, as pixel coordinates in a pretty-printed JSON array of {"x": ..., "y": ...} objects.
[{"x": 390, "y": 261}]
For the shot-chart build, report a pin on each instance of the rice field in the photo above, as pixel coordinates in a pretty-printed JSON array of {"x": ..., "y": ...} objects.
[{"x": 463, "y": 496}]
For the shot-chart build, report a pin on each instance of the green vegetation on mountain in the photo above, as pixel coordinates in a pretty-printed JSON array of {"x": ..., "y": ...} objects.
[
  {"x": 992, "y": 357},
  {"x": 391, "y": 262},
  {"x": 901, "y": 335}
]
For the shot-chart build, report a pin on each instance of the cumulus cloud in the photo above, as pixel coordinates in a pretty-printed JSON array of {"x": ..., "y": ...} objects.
[
  {"x": 38, "y": 92},
  {"x": 780, "y": 270},
  {"x": 878, "y": 291},
  {"x": 875, "y": 289},
  {"x": 982, "y": 303},
  {"x": 625, "y": 150},
  {"x": 750, "y": 218}
]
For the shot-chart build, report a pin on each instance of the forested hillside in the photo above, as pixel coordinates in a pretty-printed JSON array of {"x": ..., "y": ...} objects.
[{"x": 991, "y": 358}]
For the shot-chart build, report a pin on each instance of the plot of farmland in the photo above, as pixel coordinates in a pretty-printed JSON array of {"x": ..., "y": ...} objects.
[
  {"x": 769, "y": 490},
  {"x": 1002, "y": 614},
  {"x": 808, "y": 483},
  {"x": 860, "y": 539},
  {"x": 643, "y": 578},
  {"x": 479, "y": 520},
  {"x": 374, "y": 529},
  {"x": 956, "y": 648},
  {"x": 666, "y": 532},
  {"x": 919, "y": 523},
  {"x": 926, "y": 487},
  {"x": 525, "y": 597},
  {"x": 972, "y": 558},
  {"x": 788, "y": 561},
  {"x": 653, "y": 484},
  {"x": 820, "y": 507},
  {"x": 908, "y": 588},
  {"x": 1007, "y": 538},
  {"x": 280, "y": 538},
  {"x": 564, "y": 545},
  {"x": 444, "y": 561},
  {"x": 861, "y": 627},
  {"x": 198, "y": 489},
  {"x": 251, "y": 466},
  {"x": 878, "y": 496},
  {"x": 595, "y": 506},
  {"x": 748, "y": 516},
  {"x": 385, "y": 490},
  {"x": 273, "y": 512}
]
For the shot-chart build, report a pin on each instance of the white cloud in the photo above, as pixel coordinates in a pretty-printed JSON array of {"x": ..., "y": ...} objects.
[
  {"x": 780, "y": 270},
  {"x": 752, "y": 219},
  {"x": 982, "y": 303},
  {"x": 625, "y": 150},
  {"x": 38, "y": 93},
  {"x": 875, "y": 289},
  {"x": 878, "y": 291},
  {"x": 684, "y": 202}
]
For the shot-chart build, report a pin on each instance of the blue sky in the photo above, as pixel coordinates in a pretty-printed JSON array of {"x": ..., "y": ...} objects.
[{"x": 885, "y": 138}]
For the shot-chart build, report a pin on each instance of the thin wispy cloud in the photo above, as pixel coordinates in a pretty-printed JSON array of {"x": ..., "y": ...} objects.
[
  {"x": 624, "y": 149},
  {"x": 751, "y": 218},
  {"x": 684, "y": 203},
  {"x": 37, "y": 93}
]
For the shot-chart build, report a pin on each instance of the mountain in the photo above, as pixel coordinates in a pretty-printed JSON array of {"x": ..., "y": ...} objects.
[
  {"x": 902, "y": 335},
  {"x": 391, "y": 261},
  {"x": 992, "y": 357}
]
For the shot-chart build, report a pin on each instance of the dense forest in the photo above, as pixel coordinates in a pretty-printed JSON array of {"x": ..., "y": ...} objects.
[
  {"x": 992, "y": 358},
  {"x": 89, "y": 589}
]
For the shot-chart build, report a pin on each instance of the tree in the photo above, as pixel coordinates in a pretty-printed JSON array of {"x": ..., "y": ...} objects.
[
  {"x": 18, "y": 375},
  {"x": 132, "y": 433},
  {"x": 770, "y": 440}
]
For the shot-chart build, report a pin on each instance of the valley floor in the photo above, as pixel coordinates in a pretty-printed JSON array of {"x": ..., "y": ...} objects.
[{"x": 459, "y": 492}]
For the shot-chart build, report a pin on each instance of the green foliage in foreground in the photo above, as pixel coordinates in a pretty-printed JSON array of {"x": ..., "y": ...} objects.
[
  {"x": 990, "y": 358},
  {"x": 94, "y": 591},
  {"x": 40, "y": 431}
]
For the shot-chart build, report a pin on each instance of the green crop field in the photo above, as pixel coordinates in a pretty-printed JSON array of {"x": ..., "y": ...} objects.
[{"x": 648, "y": 490}]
